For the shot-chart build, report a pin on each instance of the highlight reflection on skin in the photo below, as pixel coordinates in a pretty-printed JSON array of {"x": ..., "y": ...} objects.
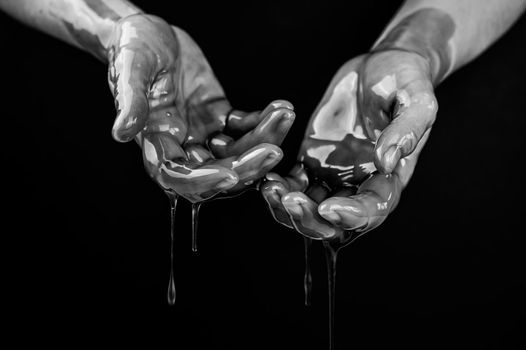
[
  {"x": 168, "y": 99},
  {"x": 362, "y": 142},
  {"x": 193, "y": 142},
  {"x": 335, "y": 190}
]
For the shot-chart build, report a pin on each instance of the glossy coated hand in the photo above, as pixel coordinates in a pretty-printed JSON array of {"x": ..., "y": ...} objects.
[
  {"x": 360, "y": 148},
  {"x": 167, "y": 98}
]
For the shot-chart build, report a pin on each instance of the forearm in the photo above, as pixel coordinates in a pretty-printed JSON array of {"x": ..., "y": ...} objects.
[
  {"x": 86, "y": 24},
  {"x": 449, "y": 33}
]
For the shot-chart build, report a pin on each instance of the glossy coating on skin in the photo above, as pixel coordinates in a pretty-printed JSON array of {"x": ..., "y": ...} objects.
[
  {"x": 426, "y": 32},
  {"x": 90, "y": 23},
  {"x": 90, "y": 41},
  {"x": 360, "y": 149},
  {"x": 337, "y": 150},
  {"x": 168, "y": 98}
]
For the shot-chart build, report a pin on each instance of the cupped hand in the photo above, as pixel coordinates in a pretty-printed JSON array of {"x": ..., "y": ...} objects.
[
  {"x": 360, "y": 148},
  {"x": 168, "y": 99}
]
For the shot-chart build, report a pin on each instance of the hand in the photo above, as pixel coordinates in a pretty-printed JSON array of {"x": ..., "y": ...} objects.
[
  {"x": 167, "y": 97},
  {"x": 360, "y": 148}
]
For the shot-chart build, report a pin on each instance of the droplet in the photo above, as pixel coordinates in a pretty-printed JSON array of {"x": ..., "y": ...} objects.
[
  {"x": 331, "y": 254},
  {"x": 195, "y": 222},
  {"x": 171, "y": 289},
  {"x": 307, "y": 278},
  {"x": 171, "y": 295}
]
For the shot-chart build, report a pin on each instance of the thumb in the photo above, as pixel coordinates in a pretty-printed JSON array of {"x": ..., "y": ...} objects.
[
  {"x": 128, "y": 77},
  {"x": 414, "y": 116}
]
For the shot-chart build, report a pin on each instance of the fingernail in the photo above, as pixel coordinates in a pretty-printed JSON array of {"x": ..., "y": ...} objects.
[
  {"x": 391, "y": 157},
  {"x": 226, "y": 184}
]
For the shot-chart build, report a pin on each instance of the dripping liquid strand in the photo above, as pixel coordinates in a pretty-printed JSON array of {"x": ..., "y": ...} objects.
[
  {"x": 307, "y": 278},
  {"x": 332, "y": 255},
  {"x": 195, "y": 221},
  {"x": 171, "y": 295}
]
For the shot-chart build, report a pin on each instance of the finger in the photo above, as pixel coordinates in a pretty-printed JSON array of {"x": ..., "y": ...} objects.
[
  {"x": 197, "y": 153},
  {"x": 166, "y": 121},
  {"x": 406, "y": 166},
  {"x": 297, "y": 180},
  {"x": 272, "y": 192},
  {"x": 362, "y": 212},
  {"x": 129, "y": 76},
  {"x": 167, "y": 163},
  {"x": 239, "y": 123},
  {"x": 276, "y": 187},
  {"x": 272, "y": 129},
  {"x": 254, "y": 163},
  {"x": 205, "y": 116},
  {"x": 304, "y": 215},
  {"x": 416, "y": 114}
]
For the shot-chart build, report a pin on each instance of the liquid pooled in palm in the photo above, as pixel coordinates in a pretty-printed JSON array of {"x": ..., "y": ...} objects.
[{"x": 338, "y": 148}]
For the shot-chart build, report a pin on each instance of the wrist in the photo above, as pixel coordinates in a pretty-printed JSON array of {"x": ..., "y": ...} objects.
[
  {"x": 108, "y": 30},
  {"x": 93, "y": 28},
  {"x": 426, "y": 33}
]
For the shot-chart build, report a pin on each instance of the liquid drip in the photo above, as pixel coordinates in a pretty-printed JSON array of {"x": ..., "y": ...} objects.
[
  {"x": 331, "y": 254},
  {"x": 307, "y": 279},
  {"x": 171, "y": 295},
  {"x": 195, "y": 221}
]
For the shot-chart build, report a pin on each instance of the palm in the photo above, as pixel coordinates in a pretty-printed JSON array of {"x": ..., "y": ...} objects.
[
  {"x": 179, "y": 114},
  {"x": 335, "y": 192}
]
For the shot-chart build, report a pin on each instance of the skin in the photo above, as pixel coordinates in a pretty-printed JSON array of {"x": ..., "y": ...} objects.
[
  {"x": 167, "y": 97},
  {"x": 336, "y": 192},
  {"x": 161, "y": 73},
  {"x": 193, "y": 142},
  {"x": 363, "y": 140}
]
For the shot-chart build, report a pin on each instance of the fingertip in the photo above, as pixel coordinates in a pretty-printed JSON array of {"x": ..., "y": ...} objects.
[
  {"x": 282, "y": 104},
  {"x": 123, "y": 135},
  {"x": 220, "y": 145},
  {"x": 391, "y": 158},
  {"x": 346, "y": 213},
  {"x": 328, "y": 214},
  {"x": 331, "y": 216},
  {"x": 271, "y": 155},
  {"x": 273, "y": 191},
  {"x": 262, "y": 155},
  {"x": 127, "y": 126},
  {"x": 220, "y": 140},
  {"x": 293, "y": 203},
  {"x": 229, "y": 180},
  {"x": 287, "y": 120},
  {"x": 273, "y": 177},
  {"x": 274, "y": 154},
  {"x": 271, "y": 149},
  {"x": 386, "y": 161},
  {"x": 292, "y": 207},
  {"x": 288, "y": 115}
]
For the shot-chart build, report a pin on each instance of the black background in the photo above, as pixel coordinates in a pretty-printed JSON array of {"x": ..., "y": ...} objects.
[{"x": 85, "y": 232}]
